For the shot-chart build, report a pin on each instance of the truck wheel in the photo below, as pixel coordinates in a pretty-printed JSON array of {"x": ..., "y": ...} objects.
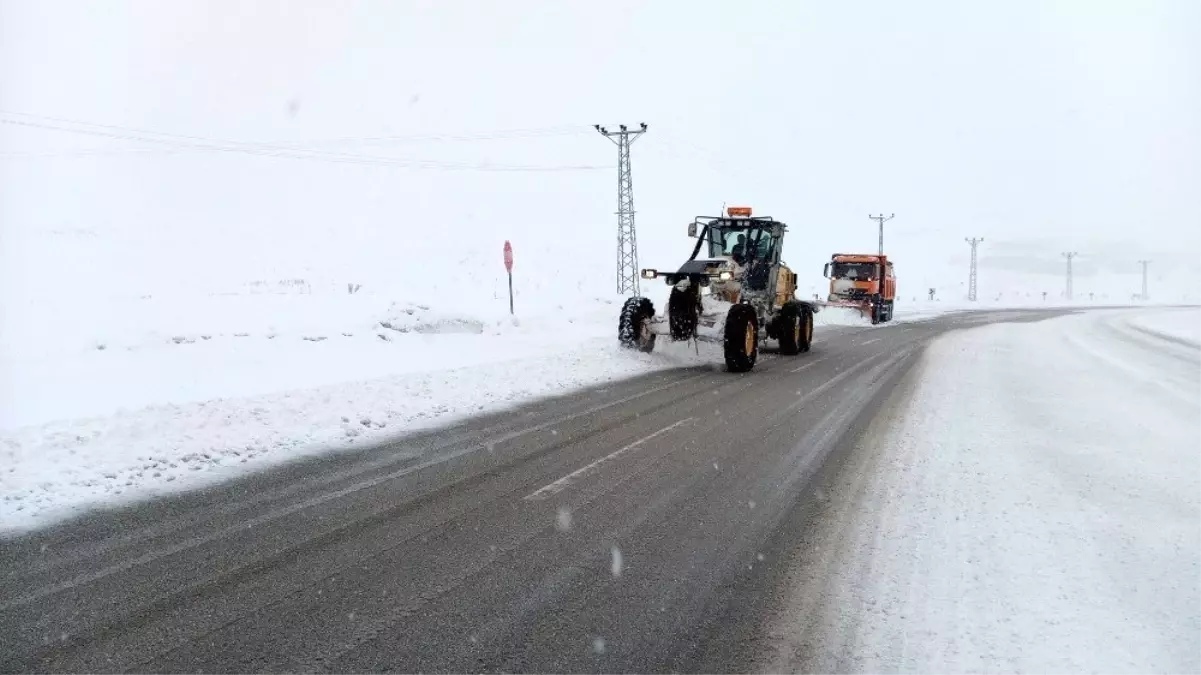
[
  {"x": 634, "y": 325},
  {"x": 741, "y": 338},
  {"x": 876, "y": 311},
  {"x": 790, "y": 329},
  {"x": 806, "y": 329}
]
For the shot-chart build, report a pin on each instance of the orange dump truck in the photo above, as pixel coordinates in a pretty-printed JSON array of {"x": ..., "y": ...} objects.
[{"x": 863, "y": 281}]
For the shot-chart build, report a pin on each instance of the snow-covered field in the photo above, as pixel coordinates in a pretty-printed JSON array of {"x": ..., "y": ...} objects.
[{"x": 1035, "y": 506}]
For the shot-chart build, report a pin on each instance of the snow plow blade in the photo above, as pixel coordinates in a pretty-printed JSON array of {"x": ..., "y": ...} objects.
[{"x": 865, "y": 307}]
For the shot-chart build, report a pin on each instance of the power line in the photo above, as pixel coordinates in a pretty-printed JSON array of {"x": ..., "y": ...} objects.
[
  {"x": 185, "y": 142},
  {"x": 627, "y": 239},
  {"x": 971, "y": 279},
  {"x": 503, "y": 134},
  {"x": 265, "y": 150},
  {"x": 1069, "y": 256},
  {"x": 1144, "y": 263},
  {"x": 298, "y": 145},
  {"x": 881, "y": 219}
]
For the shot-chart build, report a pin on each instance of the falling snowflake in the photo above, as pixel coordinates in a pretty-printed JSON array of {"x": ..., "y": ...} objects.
[
  {"x": 563, "y": 519},
  {"x": 598, "y": 645},
  {"x": 616, "y": 564},
  {"x": 751, "y": 504}
]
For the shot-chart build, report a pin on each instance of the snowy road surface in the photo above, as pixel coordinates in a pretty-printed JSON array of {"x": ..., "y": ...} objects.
[
  {"x": 641, "y": 526},
  {"x": 1033, "y": 505}
]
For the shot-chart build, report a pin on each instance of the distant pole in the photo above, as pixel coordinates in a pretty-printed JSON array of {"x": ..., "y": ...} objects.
[
  {"x": 1068, "y": 256},
  {"x": 627, "y": 241},
  {"x": 881, "y": 219},
  {"x": 971, "y": 279},
  {"x": 1144, "y": 263}
]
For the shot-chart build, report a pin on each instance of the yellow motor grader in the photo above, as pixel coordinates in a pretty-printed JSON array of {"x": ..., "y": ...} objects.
[{"x": 733, "y": 289}]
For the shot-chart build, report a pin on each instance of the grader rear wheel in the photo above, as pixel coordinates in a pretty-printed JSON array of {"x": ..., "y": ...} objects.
[
  {"x": 806, "y": 329},
  {"x": 741, "y": 339},
  {"x": 790, "y": 328}
]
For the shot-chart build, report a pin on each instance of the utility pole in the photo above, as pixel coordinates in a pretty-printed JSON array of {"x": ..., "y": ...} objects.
[
  {"x": 971, "y": 278},
  {"x": 881, "y": 219},
  {"x": 1144, "y": 263},
  {"x": 627, "y": 240},
  {"x": 1069, "y": 255}
]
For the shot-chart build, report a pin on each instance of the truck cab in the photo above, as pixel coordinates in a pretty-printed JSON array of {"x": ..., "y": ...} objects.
[{"x": 863, "y": 281}]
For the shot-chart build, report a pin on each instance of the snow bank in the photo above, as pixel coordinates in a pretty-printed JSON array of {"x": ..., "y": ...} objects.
[
  {"x": 1183, "y": 325},
  {"x": 1035, "y": 507},
  {"x": 126, "y": 354},
  {"x": 55, "y": 470}
]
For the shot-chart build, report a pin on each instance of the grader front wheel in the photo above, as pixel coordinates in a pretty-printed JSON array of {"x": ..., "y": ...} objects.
[{"x": 634, "y": 325}]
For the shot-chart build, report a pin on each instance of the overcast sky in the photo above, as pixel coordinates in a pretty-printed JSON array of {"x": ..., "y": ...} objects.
[{"x": 1041, "y": 126}]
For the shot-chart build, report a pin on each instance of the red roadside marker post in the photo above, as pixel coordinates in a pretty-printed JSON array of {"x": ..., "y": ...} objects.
[{"x": 509, "y": 269}]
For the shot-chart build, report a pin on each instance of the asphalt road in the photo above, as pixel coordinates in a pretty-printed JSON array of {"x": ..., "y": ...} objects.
[{"x": 627, "y": 528}]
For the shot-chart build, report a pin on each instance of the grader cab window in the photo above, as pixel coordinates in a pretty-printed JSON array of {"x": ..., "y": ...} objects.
[
  {"x": 764, "y": 244},
  {"x": 735, "y": 243},
  {"x": 740, "y": 242}
]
